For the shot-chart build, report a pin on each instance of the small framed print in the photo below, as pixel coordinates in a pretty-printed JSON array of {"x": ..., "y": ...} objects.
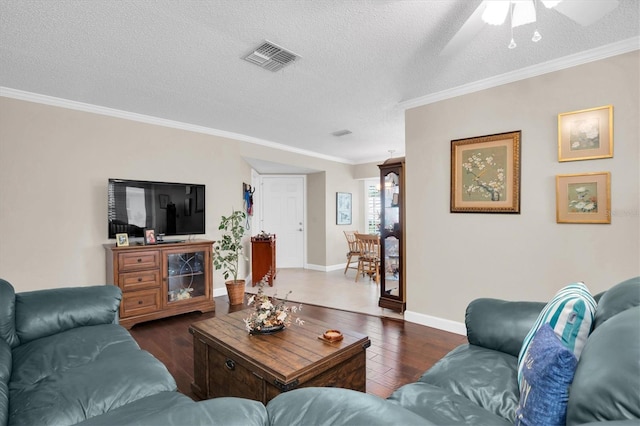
[
  {"x": 343, "y": 208},
  {"x": 122, "y": 240},
  {"x": 583, "y": 198},
  {"x": 149, "y": 236},
  {"x": 586, "y": 134}
]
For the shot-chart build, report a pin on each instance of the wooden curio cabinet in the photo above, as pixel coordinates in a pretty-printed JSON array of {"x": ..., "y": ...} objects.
[{"x": 392, "y": 238}]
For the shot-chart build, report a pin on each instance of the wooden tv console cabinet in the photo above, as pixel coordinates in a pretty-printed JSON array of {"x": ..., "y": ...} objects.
[{"x": 161, "y": 280}]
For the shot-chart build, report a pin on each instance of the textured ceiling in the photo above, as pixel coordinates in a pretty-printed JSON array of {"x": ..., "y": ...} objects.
[{"x": 181, "y": 61}]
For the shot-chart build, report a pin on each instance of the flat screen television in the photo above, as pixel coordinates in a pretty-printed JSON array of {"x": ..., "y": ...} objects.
[{"x": 167, "y": 208}]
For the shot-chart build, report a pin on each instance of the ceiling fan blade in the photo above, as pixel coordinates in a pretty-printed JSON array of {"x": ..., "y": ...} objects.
[
  {"x": 524, "y": 12},
  {"x": 586, "y": 13},
  {"x": 466, "y": 33}
]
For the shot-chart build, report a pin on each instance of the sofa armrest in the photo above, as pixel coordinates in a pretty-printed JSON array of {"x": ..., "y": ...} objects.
[
  {"x": 499, "y": 324},
  {"x": 173, "y": 408},
  {"x": 336, "y": 407},
  {"x": 43, "y": 313},
  {"x": 226, "y": 411},
  {"x": 6, "y": 363}
]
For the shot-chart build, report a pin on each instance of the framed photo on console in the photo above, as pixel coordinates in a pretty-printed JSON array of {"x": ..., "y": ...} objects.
[
  {"x": 149, "y": 236},
  {"x": 122, "y": 240}
]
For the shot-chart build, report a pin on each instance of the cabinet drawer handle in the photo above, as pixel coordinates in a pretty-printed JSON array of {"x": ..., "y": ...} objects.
[
  {"x": 139, "y": 302},
  {"x": 139, "y": 260},
  {"x": 230, "y": 364},
  {"x": 139, "y": 279}
]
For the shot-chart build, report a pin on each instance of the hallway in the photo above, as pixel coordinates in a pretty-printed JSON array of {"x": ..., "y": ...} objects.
[{"x": 329, "y": 289}]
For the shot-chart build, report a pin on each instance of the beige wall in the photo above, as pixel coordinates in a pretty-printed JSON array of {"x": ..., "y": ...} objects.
[
  {"x": 54, "y": 166},
  {"x": 367, "y": 170},
  {"x": 51, "y": 238},
  {"x": 454, "y": 258},
  {"x": 316, "y": 218}
]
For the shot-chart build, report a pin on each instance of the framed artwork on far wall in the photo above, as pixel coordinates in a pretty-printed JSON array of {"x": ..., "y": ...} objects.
[
  {"x": 343, "y": 208},
  {"x": 485, "y": 174},
  {"x": 583, "y": 198},
  {"x": 586, "y": 134}
]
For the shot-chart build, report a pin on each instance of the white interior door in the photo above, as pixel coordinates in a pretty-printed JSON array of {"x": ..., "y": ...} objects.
[{"x": 283, "y": 214}]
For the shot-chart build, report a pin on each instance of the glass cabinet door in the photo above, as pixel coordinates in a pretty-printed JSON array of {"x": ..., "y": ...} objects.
[
  {"x": 392, "y": 266},
  {"x": 185, "y": 276},
  {"x": 391, "y": 202}
]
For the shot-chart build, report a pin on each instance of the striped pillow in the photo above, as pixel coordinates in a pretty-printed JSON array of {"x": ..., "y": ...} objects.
[{"x": 570, "y": 314}]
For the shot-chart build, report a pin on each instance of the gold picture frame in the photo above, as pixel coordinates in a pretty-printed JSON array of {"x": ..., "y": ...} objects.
[
  {"x": 122, "y": 240},
  {"x": 485, "y": 174},
  {"x": 586, "y": 134},
  {"x": 583, "y": 198}
]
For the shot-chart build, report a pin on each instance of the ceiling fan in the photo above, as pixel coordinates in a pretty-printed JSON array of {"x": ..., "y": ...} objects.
[{"x": 521, "y": 12}]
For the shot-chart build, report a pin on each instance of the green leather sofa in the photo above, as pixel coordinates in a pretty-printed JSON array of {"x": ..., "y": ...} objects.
[
  {"x": 476, "y": 383},
  {"x": 64, "y": 360}
]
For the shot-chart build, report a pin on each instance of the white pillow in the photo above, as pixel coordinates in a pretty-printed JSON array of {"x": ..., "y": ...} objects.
[{"x": 570, "y": 313}]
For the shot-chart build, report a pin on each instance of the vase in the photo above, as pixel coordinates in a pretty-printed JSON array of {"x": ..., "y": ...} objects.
[
  {"x": 235, "y": 290},
  {"x": 268, "y": 330}
]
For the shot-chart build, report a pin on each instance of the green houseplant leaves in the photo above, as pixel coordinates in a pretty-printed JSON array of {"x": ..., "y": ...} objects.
[{"x": 229, "y": 250}]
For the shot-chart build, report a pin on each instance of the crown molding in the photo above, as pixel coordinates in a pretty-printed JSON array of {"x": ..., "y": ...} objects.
[
  {"x": 603, "y": 52},
  {"x": 112, "y": 112}
]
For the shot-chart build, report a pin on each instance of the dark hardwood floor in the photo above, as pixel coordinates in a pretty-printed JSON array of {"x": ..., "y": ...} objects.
[{"x": 399, "y": 353}]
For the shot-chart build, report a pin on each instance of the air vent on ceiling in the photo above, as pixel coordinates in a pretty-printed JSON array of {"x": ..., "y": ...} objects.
[
  {"x": 270, "y": 56},
  {"x": 339, "y": 133}
]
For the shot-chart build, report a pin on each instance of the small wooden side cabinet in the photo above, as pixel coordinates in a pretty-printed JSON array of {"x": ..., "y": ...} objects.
[
  {"x": 263, "y": 258},
  {"x": 162, "y": 280}
]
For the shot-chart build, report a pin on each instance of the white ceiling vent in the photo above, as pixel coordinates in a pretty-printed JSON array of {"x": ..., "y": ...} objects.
[
  {"x": 339, "y": 133},
  {"x": 271, "y": 56}
]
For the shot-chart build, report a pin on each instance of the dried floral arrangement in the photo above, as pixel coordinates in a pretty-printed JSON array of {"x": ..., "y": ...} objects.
[{"x": 270, "y": 313}]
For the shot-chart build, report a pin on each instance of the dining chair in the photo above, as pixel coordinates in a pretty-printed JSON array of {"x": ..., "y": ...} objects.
[
  {"x": 369, "y": 260},
  {"x": 353, "y": 254}
]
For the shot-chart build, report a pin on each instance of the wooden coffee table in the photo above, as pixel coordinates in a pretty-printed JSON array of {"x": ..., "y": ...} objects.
[{"x": 228, "y": 361}]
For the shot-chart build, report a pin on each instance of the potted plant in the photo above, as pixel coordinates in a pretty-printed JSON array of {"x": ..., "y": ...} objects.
[{"x": 227, "y": 253}]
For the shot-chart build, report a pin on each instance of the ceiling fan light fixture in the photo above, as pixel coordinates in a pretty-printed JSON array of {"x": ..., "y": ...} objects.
[
  {"x": 524, "y": 12},
  {"x": 550, "y": 4},
  {"x": 495, "y": 12},
  {"x": 536, "y": 36}
]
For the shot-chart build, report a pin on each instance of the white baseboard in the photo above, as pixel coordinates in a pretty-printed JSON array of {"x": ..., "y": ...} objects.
[
  {"x": 410, "y": 316},
  {"x": 435, "y": 322},
  {"x": 219, "y": 291},
  {"x": 324, "y": 268}
]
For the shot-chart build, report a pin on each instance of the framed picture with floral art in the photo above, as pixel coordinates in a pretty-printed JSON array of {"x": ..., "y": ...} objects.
[
  {"x": 485, "y": 174},
  {"x": 586, "y": 134},
  {"x": 583, "y": 198}
]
